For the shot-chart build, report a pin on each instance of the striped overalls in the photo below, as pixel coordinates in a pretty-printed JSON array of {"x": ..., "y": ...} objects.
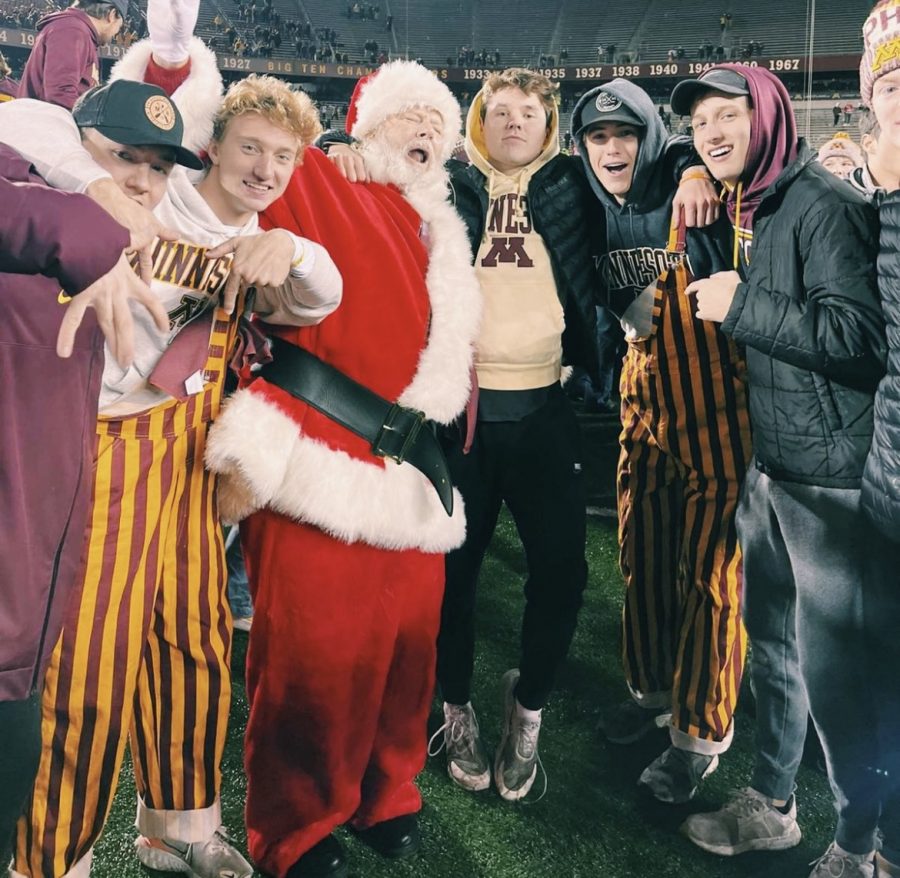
[
  {"x": 146, "y": 646},
  {"x": 685, "y": 444}
]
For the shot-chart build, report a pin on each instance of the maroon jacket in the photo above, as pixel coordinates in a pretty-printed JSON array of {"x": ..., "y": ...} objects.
[
  {"x": 63, "y": 63},
  {"x": 48, "y": 241},
  {"x": 9, "y": 88}
]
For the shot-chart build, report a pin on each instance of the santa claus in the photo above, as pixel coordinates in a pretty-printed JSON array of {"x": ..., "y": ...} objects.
[{"x": 329, "y": 456}]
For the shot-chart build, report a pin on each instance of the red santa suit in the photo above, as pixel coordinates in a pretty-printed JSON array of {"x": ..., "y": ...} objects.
[{"x": 345, "y": 548}]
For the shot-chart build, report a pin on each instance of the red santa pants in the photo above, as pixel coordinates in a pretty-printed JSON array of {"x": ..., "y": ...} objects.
[{"x": 340, "y": 678}]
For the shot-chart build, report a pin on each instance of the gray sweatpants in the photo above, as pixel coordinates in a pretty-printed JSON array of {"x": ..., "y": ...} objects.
[{"x": 822, "y": 610}]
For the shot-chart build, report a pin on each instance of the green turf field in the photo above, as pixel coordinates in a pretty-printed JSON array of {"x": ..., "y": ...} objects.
[{"x": 593, "y": 823}]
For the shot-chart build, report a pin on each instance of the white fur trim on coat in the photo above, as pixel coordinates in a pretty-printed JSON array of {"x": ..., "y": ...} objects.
[
  {"x": 198, "y": 98},
  {"x": 399, "y": 86},
  {"x": 394, "y": 507},
  {"x": 442, "y": 383},
  {"x": 263, "y": 459}
]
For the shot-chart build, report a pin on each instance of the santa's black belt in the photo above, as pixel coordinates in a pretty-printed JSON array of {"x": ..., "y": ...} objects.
[{"x": 393, "y": 431}]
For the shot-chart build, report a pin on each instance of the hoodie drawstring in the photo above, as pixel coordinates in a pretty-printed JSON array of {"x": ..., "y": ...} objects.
[{"x": 737, "y": 226}]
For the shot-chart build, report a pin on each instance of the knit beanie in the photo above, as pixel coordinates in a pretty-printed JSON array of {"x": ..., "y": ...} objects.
[
  {"x": 841, "y": 146},
  {"x": 399, "y": 86},
  {"x": 881, "y": 46}
]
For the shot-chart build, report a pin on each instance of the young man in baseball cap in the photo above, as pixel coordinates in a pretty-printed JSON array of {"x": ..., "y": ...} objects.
[
  {"x": 52, "y": 240},
  {"x": 802, "y": 299},
  {"x": 151, "y": 435},
  {"x": 685, "y": 418}
]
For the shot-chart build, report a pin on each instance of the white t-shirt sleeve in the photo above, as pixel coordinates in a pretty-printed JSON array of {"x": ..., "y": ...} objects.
[{"x": 47, "y": 136}]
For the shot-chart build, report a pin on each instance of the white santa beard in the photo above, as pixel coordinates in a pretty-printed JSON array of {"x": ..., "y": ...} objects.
[{"x": 387, "y": 164}]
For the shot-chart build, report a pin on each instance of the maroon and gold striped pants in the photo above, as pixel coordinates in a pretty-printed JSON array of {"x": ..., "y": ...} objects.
[
  {"x": 685, "y": 444},
  {"x": 145, "y": 650}
]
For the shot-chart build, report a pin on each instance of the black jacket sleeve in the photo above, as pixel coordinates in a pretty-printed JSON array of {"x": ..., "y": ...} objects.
[{"x": 834, "y": 325}]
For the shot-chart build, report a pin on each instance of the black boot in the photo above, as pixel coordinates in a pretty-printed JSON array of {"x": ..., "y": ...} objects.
[
  {"x": 324, "y": 860},
  {"x": 395, "y": 839}
]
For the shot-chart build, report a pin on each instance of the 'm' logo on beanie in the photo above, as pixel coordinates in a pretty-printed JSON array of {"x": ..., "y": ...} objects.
[
  {"x": 606, "y": 102},
  {"x": 886, "y": 53},
  {"x": 159, "y": 111}
]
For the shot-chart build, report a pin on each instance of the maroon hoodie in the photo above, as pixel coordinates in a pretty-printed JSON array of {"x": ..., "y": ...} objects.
[
  {"x": 63, "y": 63},
  {"x": 773, "y": 142},
  {"x": 49, "y": 241}
]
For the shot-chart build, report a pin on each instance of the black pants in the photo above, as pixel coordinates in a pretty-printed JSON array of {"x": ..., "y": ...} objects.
[
  {"x": 20, "y": 753},
  {"x": 534, "y": 465}
]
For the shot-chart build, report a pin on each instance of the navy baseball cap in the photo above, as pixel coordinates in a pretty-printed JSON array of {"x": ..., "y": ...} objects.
[
  {"x": 722, "y": 79},
  {"x": 607, "y": 107},
  {"x": 137, "y": 114}
]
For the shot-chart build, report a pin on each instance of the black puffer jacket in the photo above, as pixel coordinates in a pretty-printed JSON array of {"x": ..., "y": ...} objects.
[
  {"x": 563, "y": 212},
  {"x": 810, "y": 318},
  {"x": 881, "y": 480}
]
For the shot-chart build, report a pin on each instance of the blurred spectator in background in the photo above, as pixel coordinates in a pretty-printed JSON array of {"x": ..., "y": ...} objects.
[
  {"x": 873, "y": 177},
  {"x": 64, "y": 62},
  {"x": 840, "y": 155},
  {"x": 9, "y": 88}
]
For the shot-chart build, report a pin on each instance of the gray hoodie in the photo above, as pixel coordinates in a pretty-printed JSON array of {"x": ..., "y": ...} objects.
[{"x": 637, "y": 231}]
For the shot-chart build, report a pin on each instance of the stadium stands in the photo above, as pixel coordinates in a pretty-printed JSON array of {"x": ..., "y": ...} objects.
[{"x": 522, "y": 30}]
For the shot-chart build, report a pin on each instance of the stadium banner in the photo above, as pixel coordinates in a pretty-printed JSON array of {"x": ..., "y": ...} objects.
[
  {"x": 588, "y": 73},
  {"x": 663, "y": 69}
]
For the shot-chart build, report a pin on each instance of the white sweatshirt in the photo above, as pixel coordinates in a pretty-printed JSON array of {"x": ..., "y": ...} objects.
[{"x": 184, "y": 279}]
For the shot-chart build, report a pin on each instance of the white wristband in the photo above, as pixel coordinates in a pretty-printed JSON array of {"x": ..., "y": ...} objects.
[{"x": 304, "y": 256}]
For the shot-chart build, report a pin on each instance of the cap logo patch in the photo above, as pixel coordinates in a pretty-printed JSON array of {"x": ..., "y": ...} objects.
[
  {"x": 606, "y": 102},
  {"x": 160, "y": 112}
]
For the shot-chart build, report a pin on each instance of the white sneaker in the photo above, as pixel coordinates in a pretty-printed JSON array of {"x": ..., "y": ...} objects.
[
  {"x": 748, "y": 822},
  {"x": 467, "y": 762},
  {"x": 517, "y": 761},
  {"x": 838, "y": 863},
  {"x": 215, "y": 858}
]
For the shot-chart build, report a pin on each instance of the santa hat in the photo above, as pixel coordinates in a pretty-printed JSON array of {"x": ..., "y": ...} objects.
[
  {"x": 881, "y": 46},
  {"x": 841, "y": 146},
  {"x": 399, "y": 86}
]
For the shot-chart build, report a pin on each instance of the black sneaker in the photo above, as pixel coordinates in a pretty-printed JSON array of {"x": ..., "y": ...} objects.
[{"x": 675, "y": 775}]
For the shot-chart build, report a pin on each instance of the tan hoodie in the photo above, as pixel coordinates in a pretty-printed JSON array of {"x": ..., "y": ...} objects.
[{"x": 520, "y": 343}]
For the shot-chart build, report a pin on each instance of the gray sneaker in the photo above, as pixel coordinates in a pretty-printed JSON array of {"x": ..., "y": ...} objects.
[
  {"x": 215, "y": 858},
  {"x": 675, "y": 775},
  {"x": 748, "y": 822},
  {"x": 517, "y": 760},
  {"x": 838, "y": 863},
  {"x": 467, "y": 761},
  {"x": 628, "y": 722}
]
